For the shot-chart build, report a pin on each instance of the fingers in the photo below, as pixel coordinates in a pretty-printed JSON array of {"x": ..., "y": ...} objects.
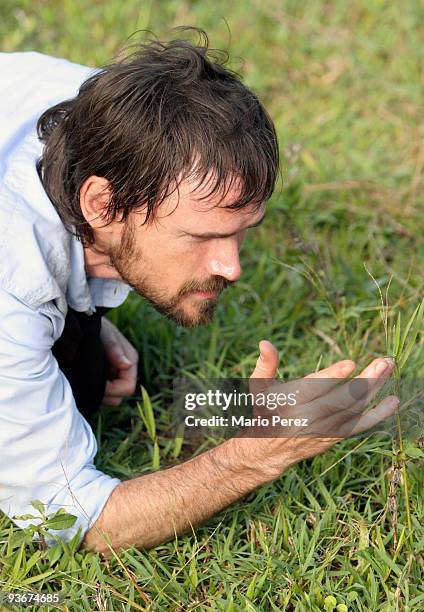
[
  {"x": 340, "y": 369},
  {"x": 350, "y": 416},
  {"x": 118, "y": 349},
  {"x": 122, "y": 361},
  {"x": 385, "y": 409},
  {"x": 121, "y": 387},
  {"x": 116, "y": 354},
  {"x": 317, "y": 384},
  {"x": 359, "y": 391},
  {"x": 267, "y": 363},
  {"x": 266, "y": 367},
  {"x": 108, "y": 400}
]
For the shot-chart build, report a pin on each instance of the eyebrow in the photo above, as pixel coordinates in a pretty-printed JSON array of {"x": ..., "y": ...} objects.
[{"x": 219, "y": 235}]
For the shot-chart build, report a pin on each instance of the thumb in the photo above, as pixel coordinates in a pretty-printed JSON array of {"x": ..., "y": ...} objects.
[{"x": 266, "y": 366}]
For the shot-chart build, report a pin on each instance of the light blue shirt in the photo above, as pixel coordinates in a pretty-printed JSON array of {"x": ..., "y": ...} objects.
[{"x": 46, "y": 446}]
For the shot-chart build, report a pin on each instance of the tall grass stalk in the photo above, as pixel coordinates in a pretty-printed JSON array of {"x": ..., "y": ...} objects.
[{"x": 400, "y": 343}]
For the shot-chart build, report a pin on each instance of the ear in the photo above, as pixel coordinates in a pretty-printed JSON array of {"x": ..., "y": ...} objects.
[{"x": 95, "y": 194}]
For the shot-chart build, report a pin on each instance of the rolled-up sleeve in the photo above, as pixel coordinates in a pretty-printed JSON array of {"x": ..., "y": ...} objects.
[{"x": 47, "y": 448}]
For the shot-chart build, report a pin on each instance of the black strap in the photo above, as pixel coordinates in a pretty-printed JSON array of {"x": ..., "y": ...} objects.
[{"x": 81, "y": 357}]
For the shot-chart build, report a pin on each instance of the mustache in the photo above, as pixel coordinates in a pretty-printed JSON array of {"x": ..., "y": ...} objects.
[{"x": 215, "y": 284}]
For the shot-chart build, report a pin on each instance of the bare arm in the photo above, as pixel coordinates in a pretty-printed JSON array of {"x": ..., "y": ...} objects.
[{"x": 151, "y": 509}]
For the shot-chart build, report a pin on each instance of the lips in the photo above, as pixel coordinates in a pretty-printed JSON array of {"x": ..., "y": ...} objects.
[{"x": 207, "y": 295}]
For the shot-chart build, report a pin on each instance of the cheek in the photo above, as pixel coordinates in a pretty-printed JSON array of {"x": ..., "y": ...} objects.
[
  {"x": 177, "y": 262},
  {"x": 191, "y": 256}
]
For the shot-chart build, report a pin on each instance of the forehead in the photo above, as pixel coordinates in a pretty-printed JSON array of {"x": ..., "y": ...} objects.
[{"x": 192, "y": 206}]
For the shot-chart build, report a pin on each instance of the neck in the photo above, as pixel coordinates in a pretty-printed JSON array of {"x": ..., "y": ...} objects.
[{"x": 98, "y": 264}]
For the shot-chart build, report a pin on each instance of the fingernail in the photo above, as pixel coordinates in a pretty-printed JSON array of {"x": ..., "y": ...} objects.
[
  {"x": 125, "y": 360},
  {"x": 382, "y": 366}
]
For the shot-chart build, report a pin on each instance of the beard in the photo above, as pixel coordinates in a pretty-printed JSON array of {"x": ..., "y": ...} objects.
[{"x": 127, "y": 258}]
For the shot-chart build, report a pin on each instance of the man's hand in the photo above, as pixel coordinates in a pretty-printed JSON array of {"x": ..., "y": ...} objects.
[
  {"x": 122, "y": 361},
  {"x": 334, "y": 411},
  {"x": 153, "y": 508}
]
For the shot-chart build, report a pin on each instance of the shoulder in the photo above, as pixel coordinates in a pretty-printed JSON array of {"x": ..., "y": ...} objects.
[
  {"x": 34, "y": 249},
  {"x": 34, "y": 244},
  {"x": 39, "y": 67}
]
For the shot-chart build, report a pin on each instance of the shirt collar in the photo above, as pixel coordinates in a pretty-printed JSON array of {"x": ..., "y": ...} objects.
[{"x": 84, "y": 294}]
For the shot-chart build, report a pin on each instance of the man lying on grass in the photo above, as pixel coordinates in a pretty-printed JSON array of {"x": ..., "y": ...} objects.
[{"x": 143, "y": 175}]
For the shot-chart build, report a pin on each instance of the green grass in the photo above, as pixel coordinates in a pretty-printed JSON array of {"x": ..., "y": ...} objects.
[{"x": 343, "y": 83}]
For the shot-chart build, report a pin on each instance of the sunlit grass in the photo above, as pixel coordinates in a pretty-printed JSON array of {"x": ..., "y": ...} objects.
[{"x": 342, "y": 81}]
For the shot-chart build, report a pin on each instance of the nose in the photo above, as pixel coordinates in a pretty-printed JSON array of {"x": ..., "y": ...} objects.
[{"x": 225, "y": 260}]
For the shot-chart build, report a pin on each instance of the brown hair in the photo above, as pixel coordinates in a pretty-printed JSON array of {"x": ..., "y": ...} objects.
[{"x": 168, "y": 110}]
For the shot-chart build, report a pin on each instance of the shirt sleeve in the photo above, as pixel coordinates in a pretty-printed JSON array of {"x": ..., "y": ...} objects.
[{"x": 46, "y": 446}]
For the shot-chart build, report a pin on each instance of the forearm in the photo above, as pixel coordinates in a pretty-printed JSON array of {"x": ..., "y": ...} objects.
[{"x": 152, "y": 509}]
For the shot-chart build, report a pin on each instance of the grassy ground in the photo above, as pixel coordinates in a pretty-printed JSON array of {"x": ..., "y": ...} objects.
[{"x": 343, "y": 83}]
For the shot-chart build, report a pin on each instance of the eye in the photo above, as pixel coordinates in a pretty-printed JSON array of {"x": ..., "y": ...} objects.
[{"x": 199, "y": 239}]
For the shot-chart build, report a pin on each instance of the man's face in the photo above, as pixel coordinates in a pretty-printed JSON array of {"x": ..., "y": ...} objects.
[{"x": 186, "y": 256}]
